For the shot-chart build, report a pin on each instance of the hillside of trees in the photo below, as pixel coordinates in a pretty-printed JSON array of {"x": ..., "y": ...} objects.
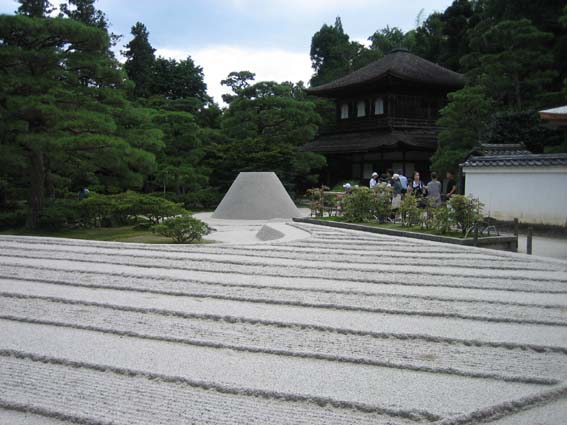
[{"x": 73, "y": 116}]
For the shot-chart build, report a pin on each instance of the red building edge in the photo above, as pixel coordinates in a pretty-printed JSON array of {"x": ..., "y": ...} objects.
[{"x": 385, "y": 118}]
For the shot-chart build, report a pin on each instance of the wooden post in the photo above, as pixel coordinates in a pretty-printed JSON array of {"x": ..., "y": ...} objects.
[
  {"x": 529, "y": 240},
  {"x": 516, "y": 227}
]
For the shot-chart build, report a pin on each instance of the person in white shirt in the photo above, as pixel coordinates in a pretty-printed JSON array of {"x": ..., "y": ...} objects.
[{"x": 373, "y": 180}]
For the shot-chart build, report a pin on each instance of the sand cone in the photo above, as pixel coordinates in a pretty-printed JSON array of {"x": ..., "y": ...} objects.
[{"x": 256, "y": 196}]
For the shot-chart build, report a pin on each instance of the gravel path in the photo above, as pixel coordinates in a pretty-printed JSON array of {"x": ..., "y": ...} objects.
[{"x": 341, "y": 327}]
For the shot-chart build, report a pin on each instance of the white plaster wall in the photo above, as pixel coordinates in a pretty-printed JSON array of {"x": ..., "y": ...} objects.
[{"x": 533, "y": 195}]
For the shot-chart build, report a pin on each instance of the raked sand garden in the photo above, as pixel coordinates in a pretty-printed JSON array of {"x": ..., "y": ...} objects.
[{"x": 331, "y": 327}]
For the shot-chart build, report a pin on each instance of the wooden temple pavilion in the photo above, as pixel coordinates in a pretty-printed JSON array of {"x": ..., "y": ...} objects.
[{"x": 385, "y": 117}]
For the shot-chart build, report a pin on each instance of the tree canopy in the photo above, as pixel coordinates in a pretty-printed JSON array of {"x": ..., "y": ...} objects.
[
  {"x": 64, "y": 117},
  {"x": 72, "y": 116},
  {"x": 263, "y": 129},
  {"x": 140, "y": 60}
]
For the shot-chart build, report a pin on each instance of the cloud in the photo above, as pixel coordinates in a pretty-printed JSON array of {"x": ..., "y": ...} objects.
[
  {"x": 268, "y": 64},
  {"x": 297, "y": 7}
]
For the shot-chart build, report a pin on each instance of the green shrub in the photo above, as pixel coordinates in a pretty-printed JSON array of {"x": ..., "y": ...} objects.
[
  {"x": 59, "y": 213},
  {"x": 96, "y": 211},
  {"x": 382, "y": 201},
  {"x": 200, "y": 200},
  {"x": 318, "y": 200},
  {"x": 466, "y": 211},
  {"x": 441, "y": 219},
  {"x": 360, "y": 205},
  {"x": 155, "y": 209},
  {"x": 182, "y": 229},
  {"x": 409, "y": 211},
  {"x": 12, "y": 219}
]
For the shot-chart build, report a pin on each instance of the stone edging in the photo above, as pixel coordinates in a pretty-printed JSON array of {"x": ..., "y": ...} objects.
[{"x": 506, "y": 243}]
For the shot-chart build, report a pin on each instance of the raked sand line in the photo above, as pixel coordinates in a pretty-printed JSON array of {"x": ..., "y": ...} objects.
[
  {"x": 318, "y": 265},
  {"x": 198, "y": 271},
  {"x": 387, "y": 304},
  {"x": 325, "y": 247},
  {"x": 11, "y": 413},
  {"x": 203, "y": 287},
  {"x": 290, "y": 270},
  {"x": 127, "y": 276},
  {"x": 508, "y": 408},
  {"x": 128, "y": 279},
  {"x": 452, "y": 357},
  {"x": 110, "y": 395},
  {"x": 303, "y": 326},
  {"x": 381, "y": 388},
  {"x": 313, "y": 258},
  {"x": 537, "y": 335}
]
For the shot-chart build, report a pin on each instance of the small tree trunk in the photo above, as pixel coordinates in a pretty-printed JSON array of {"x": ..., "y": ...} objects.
[
  {"x": 518, "y": 92},
  {"x": 37, "y": 189}
]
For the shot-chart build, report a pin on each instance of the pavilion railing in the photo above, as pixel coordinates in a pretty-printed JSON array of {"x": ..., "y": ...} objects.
[{"x": 372, "y": 123}]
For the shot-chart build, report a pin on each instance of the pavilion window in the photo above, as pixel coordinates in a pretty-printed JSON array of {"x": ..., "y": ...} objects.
[
  {"x": 379, "y": 106},
  {"x": 361, "y": 108},
  {"x": 344, "y": 111}
]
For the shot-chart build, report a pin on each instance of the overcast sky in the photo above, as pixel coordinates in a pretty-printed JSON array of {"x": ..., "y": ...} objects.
[{"x": 268, "y": 37}]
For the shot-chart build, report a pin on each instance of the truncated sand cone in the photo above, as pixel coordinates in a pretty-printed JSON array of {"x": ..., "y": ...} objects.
[{"x": 256, "y": 196}]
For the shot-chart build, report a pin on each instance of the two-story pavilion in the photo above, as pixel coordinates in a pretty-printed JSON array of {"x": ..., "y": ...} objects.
[{"x": 385, "y": 117}]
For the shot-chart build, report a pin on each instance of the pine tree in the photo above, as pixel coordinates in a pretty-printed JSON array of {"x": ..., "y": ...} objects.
[
  {"x": 461, "y": 123},
  {"x": 140, "y": 60},
  {"x": 35, "y": 8},
  {"x": 331, "y": 53},
  {"x": 84, "y": 11},
  {"x": 64, "y": 118},
  {"x": 510, "y": 60}
]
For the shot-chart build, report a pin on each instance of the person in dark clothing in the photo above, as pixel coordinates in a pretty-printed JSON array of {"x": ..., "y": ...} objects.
[
  {"x": 417, "y": 189},
  {"x": 451, "y": 188}
]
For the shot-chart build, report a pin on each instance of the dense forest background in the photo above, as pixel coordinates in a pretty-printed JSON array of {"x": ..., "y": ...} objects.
[{"x": 73, "y": 116}]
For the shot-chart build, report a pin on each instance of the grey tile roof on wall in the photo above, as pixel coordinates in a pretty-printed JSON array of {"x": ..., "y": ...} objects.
[
  {"x": 372, "y": 141},
  {"x": 487, "y": 149},
  {"x": 400, "y": 64},
  {"x": 529, "y": 160}
]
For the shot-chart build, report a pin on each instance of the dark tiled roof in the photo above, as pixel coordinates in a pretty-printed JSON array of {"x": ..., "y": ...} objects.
[
  {"x": 372, "y": 141},
  {"x": 528, "y": 160},
  {"x": 501, "y": 149},
  {"x": 400, "y": 64}
]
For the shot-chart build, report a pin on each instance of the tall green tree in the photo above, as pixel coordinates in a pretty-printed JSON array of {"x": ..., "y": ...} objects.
[
  {"x": 64, "y": 117},
  {"x": 178, "y": 80},
  {"x": 237, "y": 82},
  {"x": 35, "y": 8},
  {"x": 264, "y": 129},
  {"x": 458, "y": 19},
  {"x": 140, "y": 60},
  {"x": 180, "y": 167},
  {"x": 430, "y": 42},
  {"x": 85, "y": 11},
  {"x": 510, "y": 59},
  {"x": 331, "y": 53},
  {"x": 461, "y": 123},
  {"x": 521, "y": 127},
  {"x": 388, "y": 39}
]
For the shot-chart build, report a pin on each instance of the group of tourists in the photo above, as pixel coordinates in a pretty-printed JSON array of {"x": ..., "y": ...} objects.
[{"x": 431, "y": 192}]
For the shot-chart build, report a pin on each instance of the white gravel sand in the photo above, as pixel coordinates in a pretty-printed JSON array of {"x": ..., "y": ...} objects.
[{"x": 320, "y": 326}]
